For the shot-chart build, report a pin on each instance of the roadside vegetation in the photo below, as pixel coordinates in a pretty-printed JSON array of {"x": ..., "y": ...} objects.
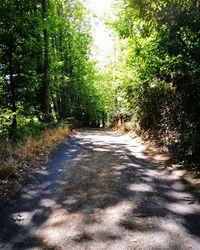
[
  {"x": 150, "y": 83},
  {"x": 47, "y": 79},
  {"x": 30, "y": 150},
  {"x": 18, "y": 162},
  {"x": 155, "y": 72}
]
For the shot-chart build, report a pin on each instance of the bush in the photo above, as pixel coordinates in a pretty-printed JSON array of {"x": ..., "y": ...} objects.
[{"x": 186, "y": 148}]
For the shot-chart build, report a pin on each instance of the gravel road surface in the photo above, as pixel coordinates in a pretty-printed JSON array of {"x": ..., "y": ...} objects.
[{"x": 102, "y": 191}]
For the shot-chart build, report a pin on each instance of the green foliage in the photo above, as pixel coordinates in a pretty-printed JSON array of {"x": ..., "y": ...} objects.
[
  {"x": 160, "y": 47},
  {"x": 46, "y": 74},
  {"x": 152, "y": 79}
]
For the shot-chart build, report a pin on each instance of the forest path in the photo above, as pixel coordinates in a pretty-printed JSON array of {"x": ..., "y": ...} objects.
[{"x": 101, "y": 191}]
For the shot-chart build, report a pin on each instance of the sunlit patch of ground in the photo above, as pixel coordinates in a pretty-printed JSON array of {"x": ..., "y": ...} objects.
[{"x": 110, "y": 195}]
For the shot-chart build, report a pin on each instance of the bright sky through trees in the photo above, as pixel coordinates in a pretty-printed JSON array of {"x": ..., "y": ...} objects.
[
  {"x": 142, "y": 69},
  {"x": 102, "y": 41}
]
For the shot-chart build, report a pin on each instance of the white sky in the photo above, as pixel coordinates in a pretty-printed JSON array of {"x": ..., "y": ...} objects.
[
  {"x": 102, "y": 40},
  {"x": 100, "y": 6}
]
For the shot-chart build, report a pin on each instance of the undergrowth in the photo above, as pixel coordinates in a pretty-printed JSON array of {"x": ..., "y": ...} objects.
[
  {"x": 183, "y": 149},
  {"x": 31, "y": 149},
  {"x": 8, "y": 169}
]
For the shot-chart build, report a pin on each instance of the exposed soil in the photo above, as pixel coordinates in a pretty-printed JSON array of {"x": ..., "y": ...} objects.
[
  {"x": 103, "y": 191},
  {"x": 10, "y": 186}
]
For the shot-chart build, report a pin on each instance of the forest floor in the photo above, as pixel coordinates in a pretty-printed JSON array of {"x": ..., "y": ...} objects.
[{"x": 102, "y": 190}]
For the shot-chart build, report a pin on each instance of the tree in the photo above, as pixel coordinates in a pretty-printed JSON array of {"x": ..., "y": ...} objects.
[
  {"x": 161, "y": 46},
  {"x": 45, "y": 69},
  {"x": 45, "y": 93},
  {"x": 15, "y": 52}
]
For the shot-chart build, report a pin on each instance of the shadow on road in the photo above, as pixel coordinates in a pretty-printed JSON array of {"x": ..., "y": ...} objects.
[{"x": 100, "y": 188}]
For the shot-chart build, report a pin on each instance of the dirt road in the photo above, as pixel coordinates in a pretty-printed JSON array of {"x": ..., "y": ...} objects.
[{"x": 101, "y": 191}]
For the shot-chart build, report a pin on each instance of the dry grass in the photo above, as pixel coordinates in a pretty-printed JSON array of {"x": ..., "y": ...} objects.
[
  {"x": 131, "y": 126},
  {"x": 8, "y": 169},
  {"x": 32, "y": 150},
  {"x": 35, "y": 147}
]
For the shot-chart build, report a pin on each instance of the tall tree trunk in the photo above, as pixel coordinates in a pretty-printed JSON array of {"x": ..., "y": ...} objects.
[
  {"x": 45, "y": 93},
  {"x": 103, "y": 118},
  {"x": 13, "y": 98}
]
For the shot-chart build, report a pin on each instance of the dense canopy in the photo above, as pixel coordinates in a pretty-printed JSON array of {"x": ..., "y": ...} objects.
[{"x": 151, "y": 80}]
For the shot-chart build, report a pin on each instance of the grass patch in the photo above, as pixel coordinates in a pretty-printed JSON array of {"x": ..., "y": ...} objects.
[
  {"x": 8, "y": 169},
  {"x": 34, "y": 148}
]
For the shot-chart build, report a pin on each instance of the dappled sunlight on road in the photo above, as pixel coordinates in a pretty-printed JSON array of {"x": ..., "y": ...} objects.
[{"x": 101, "y": 191}]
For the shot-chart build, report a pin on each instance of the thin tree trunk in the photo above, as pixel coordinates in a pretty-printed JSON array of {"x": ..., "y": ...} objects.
[
  {"x": 45, "y": 96},
  {"x": 13, "y": 98}
]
